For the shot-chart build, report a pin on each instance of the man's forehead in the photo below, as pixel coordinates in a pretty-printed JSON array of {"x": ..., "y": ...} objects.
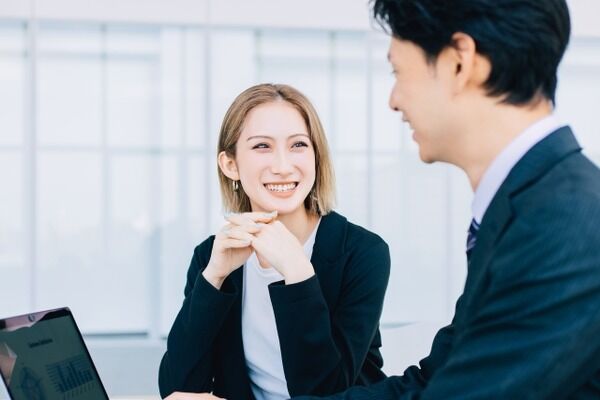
[{"x": 393, "y": 49}]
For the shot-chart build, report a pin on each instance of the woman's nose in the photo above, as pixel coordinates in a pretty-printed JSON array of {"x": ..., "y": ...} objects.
[{"x": 282, "y": 164}]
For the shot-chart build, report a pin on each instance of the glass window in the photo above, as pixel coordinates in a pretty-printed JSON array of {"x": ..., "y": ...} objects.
[
  {"x": 69, "y": 100},
  {"x": 386, "y": 124},
  {"x": 71, "y": 268},
  {"x": 351, "y": 173},
  {"x": 420, "y": 257},
  {"x": 132, "y": 102},
  {"x": 231, "y": 72},
  {"x": 577, "y": 97},
  {"x": 14, "y": 293},
  {"x": 195, "y": 89},
  {"x": 350, "y": 128},
  {"x": 302, "y": 60},
  {"x": 12, "y": 81}
]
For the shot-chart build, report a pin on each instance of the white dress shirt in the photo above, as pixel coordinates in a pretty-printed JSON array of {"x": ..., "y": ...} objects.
[
  {"x": 259, "y": 330},
  {"x": 500, "y": 168}
]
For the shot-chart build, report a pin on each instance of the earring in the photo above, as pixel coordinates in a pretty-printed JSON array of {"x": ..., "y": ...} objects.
[
  {"x": 314, "y": 200},
  {"x": 235, "y": 186}
]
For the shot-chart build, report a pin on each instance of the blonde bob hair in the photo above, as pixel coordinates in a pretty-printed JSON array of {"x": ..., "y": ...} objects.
[{"x": 321, "y": 198}]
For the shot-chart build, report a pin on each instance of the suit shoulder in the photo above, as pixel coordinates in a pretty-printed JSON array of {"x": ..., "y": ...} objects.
[{"x": 557, "y": 217}]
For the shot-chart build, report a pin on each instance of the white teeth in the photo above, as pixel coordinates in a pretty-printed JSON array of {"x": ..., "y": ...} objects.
[{"x": 281, "y": 188}]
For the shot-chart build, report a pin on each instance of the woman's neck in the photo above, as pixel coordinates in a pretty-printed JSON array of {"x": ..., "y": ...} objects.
[{"x": 300, "y": 223}]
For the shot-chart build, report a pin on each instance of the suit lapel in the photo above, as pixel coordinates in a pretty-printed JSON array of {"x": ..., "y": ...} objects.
[{"x": 532, "y": 166}]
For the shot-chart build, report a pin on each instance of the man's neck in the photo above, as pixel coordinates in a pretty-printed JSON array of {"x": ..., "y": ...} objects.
[{"x": 493, "y": 131}]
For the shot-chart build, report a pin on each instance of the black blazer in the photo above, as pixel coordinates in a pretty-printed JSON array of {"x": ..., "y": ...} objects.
[
  {"x": 328, "y": 325},
  {"x": 527, "y": 325}
]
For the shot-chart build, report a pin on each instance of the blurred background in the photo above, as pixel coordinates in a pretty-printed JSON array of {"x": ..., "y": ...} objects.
[{"x": 109, "y": 114}]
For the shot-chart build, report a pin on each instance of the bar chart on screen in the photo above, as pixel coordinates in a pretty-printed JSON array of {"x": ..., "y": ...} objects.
[{"x": 72, "y": 377}]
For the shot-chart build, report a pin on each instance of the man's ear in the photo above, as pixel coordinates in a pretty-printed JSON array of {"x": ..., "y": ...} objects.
[
  {"x": 469, "y": 67},
  {"x": 228, "y": 166}
]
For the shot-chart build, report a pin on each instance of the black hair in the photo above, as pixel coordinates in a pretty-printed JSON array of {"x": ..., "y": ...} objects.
[{"x": 524, "y": 40}]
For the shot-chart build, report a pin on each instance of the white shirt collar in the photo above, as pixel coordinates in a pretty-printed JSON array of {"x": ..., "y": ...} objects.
[{"x": 506, "y": 160}]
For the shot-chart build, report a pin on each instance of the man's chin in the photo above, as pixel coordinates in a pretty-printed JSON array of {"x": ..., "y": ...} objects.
[{"x": 426, "y": 158}]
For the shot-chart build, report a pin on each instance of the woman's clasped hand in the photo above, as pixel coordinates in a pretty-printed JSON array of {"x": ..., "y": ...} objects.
[{"x": 274, "y": 244}]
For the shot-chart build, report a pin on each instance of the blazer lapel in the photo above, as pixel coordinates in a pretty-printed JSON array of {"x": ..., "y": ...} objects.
[
  {"x": 238, "y": 381},
  {"x": 327, "y": 252},
  {"x": 535, "y": 163}
]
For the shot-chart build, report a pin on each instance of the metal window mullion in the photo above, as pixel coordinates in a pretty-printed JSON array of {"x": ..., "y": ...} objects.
[
  {"x": 369, "y": 121},
  {"x": 332, "y": 132},
  {"x": 184, "y": 157},
  {"x": 258, "y": 55},
  {"x": 105, "y": 211},
  {"x": 30, "y": 160},
  {"x": 207, "y": 117},
  {"x": 155, "y": 193}
]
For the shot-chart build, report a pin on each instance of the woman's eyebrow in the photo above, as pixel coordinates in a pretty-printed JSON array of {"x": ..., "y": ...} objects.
[{"x": 270, "y": 137}]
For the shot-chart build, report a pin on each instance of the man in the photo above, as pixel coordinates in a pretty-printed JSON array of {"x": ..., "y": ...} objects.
[{"x": 476, "y": 81}]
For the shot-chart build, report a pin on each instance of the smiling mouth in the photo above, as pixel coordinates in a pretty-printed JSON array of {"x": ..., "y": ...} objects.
[{"x": 280, "y": 188}]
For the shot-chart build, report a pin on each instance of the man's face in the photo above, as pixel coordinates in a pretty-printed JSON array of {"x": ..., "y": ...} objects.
[{"x": 422, "y": 93}]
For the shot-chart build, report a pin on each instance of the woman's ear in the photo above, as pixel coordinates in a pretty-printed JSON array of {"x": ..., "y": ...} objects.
[{"x": 228, "y": 166}]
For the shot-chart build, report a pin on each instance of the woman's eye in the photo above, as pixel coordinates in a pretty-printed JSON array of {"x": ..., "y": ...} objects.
[
  {"x": 261, "y": 146},
  {"x": 300, "y": 144}
]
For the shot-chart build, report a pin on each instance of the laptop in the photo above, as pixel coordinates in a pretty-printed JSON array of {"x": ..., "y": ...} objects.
[{"x": 43, "y": 357}]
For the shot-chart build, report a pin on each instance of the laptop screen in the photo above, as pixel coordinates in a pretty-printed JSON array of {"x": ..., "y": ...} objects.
[{"x": 43, "y": 356}]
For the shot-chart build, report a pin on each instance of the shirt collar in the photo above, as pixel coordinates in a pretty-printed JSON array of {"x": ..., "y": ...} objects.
[{"x": 499, "y": 169}]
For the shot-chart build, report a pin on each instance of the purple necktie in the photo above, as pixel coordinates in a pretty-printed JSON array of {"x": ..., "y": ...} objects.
[{"x": 472, "y": 236}]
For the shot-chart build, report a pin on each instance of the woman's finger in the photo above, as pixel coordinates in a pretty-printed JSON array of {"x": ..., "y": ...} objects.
[
  {"x": 224, "y": 230},
  {"x": 235, "y": 243},
  {"x": 250, "y": 217},
  {"x": 240, "y": 234}
]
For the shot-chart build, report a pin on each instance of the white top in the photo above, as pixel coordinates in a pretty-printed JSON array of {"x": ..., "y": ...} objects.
[
  {"x": 259, "y": 331},
  {"x": 499, "y": 168}
]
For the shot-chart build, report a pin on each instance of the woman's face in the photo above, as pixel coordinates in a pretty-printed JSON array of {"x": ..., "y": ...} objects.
[{"x": 275, "y": 158}]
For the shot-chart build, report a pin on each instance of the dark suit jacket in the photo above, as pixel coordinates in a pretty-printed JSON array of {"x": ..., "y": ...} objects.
[
  {"x": 328, "y": 325},
  {"x": 527, "y": 325}
]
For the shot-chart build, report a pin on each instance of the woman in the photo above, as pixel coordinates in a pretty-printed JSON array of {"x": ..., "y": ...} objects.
[{"x": 285, "y": 300}]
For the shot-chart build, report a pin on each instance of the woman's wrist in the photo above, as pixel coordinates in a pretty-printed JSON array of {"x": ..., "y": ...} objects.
[
  {"x": 213, "y": 277},
  {"x": 299, "y": 272}
]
